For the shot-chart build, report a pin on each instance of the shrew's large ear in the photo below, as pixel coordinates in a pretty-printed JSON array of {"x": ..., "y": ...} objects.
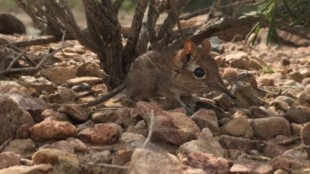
[
  {"x": 189, "y": 50},
  {"x": 185, "y": 55},
  {"x": 206, "y": 47}
]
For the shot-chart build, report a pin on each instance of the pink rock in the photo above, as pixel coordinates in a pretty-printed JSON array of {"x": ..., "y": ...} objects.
[
  {"x": 12, "y": 117},
  {"x": 52, "y": 129},
  {"x": 305, "y": 133},
  {"x": 8, "y": 159},
  {"x": 103, "y": 133},
  {"x": 173, "y": 127},
  {"x": 206, "y": 118},
  {"x": 250, "y": 166},
  {"x": 151, "y": 162},
  {"x": 208, "y": 162},
  {"x": 270, "y": 127}
]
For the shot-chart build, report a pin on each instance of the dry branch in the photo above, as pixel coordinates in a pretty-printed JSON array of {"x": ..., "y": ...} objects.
[
  {"x": 129, "y": 50},
  {"x": 9, "y": 69},
  {"x": 221, "y": 25},
  {"x": 151, "y": 126}
]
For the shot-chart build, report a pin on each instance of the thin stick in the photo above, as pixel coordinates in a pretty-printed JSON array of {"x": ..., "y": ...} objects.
[
  {"x": 111, "y": 166},
  {"x": 149, "y": 136},
  {"x": 14, "y": 61},
  {"x": 33, "y": 68},
  {"x": 174, "y": 9}
]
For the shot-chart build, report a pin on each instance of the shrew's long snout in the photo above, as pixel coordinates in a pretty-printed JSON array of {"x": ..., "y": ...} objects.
[
  {"x": 227, "y": 92},
  {"x": 221, "y": 87}
]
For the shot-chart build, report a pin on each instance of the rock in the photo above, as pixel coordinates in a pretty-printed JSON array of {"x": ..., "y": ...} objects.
[
  {"x": 54, "y": 115},
  {"x": 280, "y": 105},
  {"x": 104, "y": 156},
  {"x": 304, "y": 98},
  {"x": 300, "y": 114},
  {"x": 211, "y": 146},
  {"x": 63, "y": 95},
  {"x": 245, "y": 95},
  {"x": 296, "y": 76},
  {"x": 129, "y": 137},
  {"x": 172, "y": 127},
  {"x": 139, "y": 128},
  {"x": 241, "y": 60},
  {"x": 50, "y": 129},
  {"x": 12, "y": 117},
  {"x": 305, "y": 134},
  {"x": 270, "y": 127},
  {"x": 286, "y": 99},
  {"x": 208, "y": 162},
  {"x": 266, "y": 81},
  {"x": 8, "y": 159},
  {"x": 101, "y": 157},
  {"x": 11, "y": 87},
  {"x": 205, "y": 134},
  {"x": 292, "y": 160},
  {"x": 239, "y": 127},
  {"x": 35, "y": 169},
  {"x": 24, "y": 147},
  {"x": 80, "y": 80},
  {"x": 91, "y": 70},
  {"x": 257, "y": 112},
  {"x": 248, "y": 78},
  {"x": 23, "y": 98},
  {"x": 75, "y": 113},
  {"x": 206, "y": 118},
  {"x": 70, "y": 145},
  {"x": 296, "y": 128},
  {"x": 61, "y": 161},
  {"x": 76, "y": 48},
  {"x": 59, "y": 75},
  {"x": 37, "y": 86},
  {"x": 240, "y": 143},
  {"x": 223, "y": 101},
  {"x": 272, "y": 149},
  {"x": 294, "y": 90},
  {"x": 250, "y": 166},
  {"x": 230, "y": 73},
  {"x": 149, "y": 162},
  {"x": 34, "y": 106},
  {"x": 107, "y": 115},
  {"x": 281, "y": 171},
  {"x": 9, "y": 24},
  {"x": 102, "y": 133},
  {"x": 305, "y": 81},
  {"x": 81, "y": 87}
]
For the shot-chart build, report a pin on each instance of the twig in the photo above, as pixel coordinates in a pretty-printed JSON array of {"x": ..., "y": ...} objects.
[
  {"x": 117, "y": 5},
  {"x": 174, "y": 9},
  {"x": 6, "y": 43},
  {"x": 206, "y": 10},
  {"x": 129, "y": 49},
  {"x": 37, "y": 41},
  {"x": 149, "y": 136},
  {"x": 111, "y": 166},
  {"x": 33, "y": 68},
  {"x": 10, "y": 69},
  {"x": 13, "y": 62}
]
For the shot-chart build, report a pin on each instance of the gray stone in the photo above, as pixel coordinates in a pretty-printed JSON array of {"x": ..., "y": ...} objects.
[{"x": 12, "y": 117}]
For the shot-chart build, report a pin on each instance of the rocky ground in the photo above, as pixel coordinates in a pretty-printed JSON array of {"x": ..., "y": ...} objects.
[{"x": 264, "y": 130}]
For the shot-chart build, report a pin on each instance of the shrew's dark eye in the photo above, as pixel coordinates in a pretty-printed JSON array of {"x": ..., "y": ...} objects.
[{"x": 199, "y": 72}]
